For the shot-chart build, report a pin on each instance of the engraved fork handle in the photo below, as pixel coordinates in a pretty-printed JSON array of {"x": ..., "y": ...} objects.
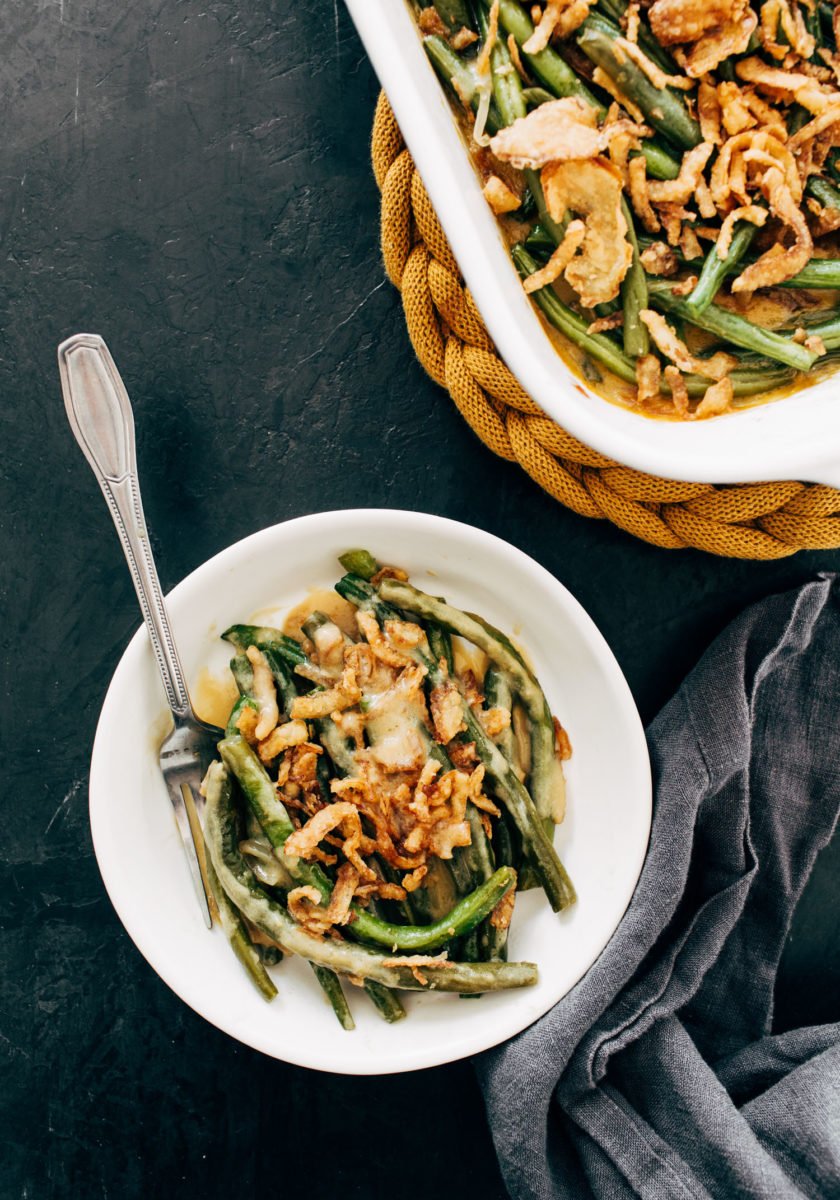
[{"x": 100, "y": 416}]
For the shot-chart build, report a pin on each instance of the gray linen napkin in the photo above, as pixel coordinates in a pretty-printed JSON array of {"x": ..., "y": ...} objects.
[{"x": 657, "y": 1076}]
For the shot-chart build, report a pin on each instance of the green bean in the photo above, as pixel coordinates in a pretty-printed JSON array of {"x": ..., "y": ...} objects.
[
  {"x": 535, "y": 96},
  {"x": 547, "y": 64},
  {"x": 262, "y": 797},
  {"x": 828, "y": 330},
  {"x": 600, "y": 347},
  {"x": 498, "y": 694},
  {"x": 634, "y": 295},
  {"x": 385, "y": 1000},
  {"x": 263, "y": 636},
  {"x": 823, "y": 191},
  {"x": 736, "y": 329},
  {"x": 237, "y": 934},
  {"x": 345, "y": 958},
  {"x": 460, "y": 75},
  {"x": 359, "y": 562},
  {"x": 331, "y": 987},
  {"x": 243, "y": 674},
  {"x": 664, "y": 108},
  {"x": 715, "y": 269},
  {"x": 454, "y": 14},
  {"x": 660, "y": 164}
]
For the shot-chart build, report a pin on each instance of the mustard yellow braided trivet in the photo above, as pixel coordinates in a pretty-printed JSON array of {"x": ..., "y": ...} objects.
[{"x": 756, "y": 520}]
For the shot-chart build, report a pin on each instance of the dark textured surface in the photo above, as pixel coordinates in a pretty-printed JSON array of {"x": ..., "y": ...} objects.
[{"x": 191, "y": 181}]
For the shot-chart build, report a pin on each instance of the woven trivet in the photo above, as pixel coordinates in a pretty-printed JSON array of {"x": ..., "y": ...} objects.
[{"x": 751, "y": 520}]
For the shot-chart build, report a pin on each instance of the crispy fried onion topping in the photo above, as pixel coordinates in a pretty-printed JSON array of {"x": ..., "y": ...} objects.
[
  {"x": 778, "y": 264},
  {"x": 341, "y": 815},
  {"x": 557, "y": 131},
  {"x": 413, "y": 823},
  {"x": 560, "y": 259},
  {"x": 675, "y": 349},
  {"x": 592, "y": 189}
]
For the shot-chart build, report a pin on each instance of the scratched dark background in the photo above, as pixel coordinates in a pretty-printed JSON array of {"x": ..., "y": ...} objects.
[{"x": 191, "y": 180}]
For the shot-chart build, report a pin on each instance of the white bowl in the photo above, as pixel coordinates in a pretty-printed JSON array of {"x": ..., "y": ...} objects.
[
  {"x": 602, "y": 841},
  {"x": 797, "y": 437}
]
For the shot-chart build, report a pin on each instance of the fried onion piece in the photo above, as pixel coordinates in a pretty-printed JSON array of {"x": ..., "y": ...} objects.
[
  {"x": 557, "y": 131},
  {"x": 675, "y": 21},
  {"x": 679, "y": 190},
  {"x": 777, "y": 264},
  {"x": 659, "y": 259},
  {"x": 482, "y": 63},
  {"x": 499, "y": 196},
  {"x": 560, "y": 259},
  {"x": 321, "y": 704},
  {"x": 778, "y": 13},
  {"x": 709, "y": 113},
  {"x": 292, "y": 733},
  {"x": 304, "y": 905},
  {"x": 593, "y": 190},
  {"x": 749, "y": 212},
  {"x": 828, "y": 118},
  {"x": 735, "y": 115},
  {"x": 338, "y": 909},
  {"x": 502, "y": 914},
  {"x": 412, "y": 881},
  {"x": 716, "y": 400},
  {"x": 675, "y": 349},
  {"x": 732, "y": 38},
  {"x": 605, "y": 324},
  {"x": 648, "y": 378},
  {"x": 247, "y": 722},
  {"x": 495, "y": 720},
  {"x": 784, "y": 85},
  {"x": 541, "y": 36},
  {"x": 430, "y": 22},
  {"x": 639, "y": 196},
  {"x": 679, "y": 392},
  {"x": 446, "y": 707}
]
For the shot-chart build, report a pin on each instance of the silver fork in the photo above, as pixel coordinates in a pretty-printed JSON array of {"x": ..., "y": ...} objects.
[{"x": 100, "y": 416}]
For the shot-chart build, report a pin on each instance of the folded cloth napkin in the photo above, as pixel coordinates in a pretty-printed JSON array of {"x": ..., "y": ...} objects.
[{"x": 657, "y": 1076}]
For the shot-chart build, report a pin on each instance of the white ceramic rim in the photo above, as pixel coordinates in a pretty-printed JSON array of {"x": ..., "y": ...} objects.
[
  {"x": 794, "y": 438},
  {"x": 110, "y": 848}
]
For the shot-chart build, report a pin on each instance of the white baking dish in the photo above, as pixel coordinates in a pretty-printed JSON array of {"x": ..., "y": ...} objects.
[{"x": 797, "y": 437}]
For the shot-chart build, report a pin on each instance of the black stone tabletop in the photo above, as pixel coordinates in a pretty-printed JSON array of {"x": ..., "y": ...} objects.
[{"x": 191, "y": 180}]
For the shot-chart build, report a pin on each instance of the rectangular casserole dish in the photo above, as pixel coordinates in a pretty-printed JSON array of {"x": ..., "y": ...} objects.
[{"x": 794, "y": 437}]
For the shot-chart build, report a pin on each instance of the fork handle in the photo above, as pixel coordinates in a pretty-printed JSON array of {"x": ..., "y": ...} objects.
[{"x": 100, "y": 416}]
